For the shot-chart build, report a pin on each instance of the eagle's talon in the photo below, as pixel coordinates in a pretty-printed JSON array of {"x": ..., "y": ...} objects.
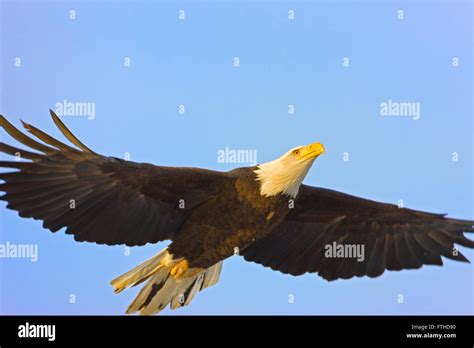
[{"x": 179, "y": 269}]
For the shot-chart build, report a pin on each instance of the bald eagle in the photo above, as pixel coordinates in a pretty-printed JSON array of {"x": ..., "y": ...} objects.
[{"x": 263, "y": 213}]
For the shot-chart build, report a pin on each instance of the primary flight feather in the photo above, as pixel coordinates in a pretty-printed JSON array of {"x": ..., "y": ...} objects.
[{"x": 263, "y": 213}]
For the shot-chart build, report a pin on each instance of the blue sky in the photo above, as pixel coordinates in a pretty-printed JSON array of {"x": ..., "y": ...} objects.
[{"x": 283, "y": 62}]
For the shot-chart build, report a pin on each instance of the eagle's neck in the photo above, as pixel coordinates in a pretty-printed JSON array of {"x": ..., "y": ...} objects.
[{"x": 277, "y": 177}]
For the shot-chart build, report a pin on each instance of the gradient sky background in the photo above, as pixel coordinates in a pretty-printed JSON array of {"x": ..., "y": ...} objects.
[{"x": 282, "y": 62}]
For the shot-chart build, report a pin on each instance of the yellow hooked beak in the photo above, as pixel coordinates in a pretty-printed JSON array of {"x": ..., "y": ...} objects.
[{"x": 312, "y": 151}]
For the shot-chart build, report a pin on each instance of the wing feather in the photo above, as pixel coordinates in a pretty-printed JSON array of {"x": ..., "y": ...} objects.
[
  {"x": 99, "y": 199},
  {"x": 392, "y": 238}
]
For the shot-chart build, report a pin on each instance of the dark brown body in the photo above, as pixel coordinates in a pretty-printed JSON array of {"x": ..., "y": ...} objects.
[{"x": 241, "y": 215}]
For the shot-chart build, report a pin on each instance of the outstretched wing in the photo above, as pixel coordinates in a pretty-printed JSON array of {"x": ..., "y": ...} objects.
[
  {"x": 99, "y": 199},
  {"x": 392, "y": 238}
]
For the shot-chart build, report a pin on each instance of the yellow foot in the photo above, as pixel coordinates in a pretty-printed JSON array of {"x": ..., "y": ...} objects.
[{"x": 179, "y": 269}]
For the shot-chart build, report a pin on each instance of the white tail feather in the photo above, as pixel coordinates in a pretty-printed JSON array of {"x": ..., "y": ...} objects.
[{"x": 162, "y": 288}]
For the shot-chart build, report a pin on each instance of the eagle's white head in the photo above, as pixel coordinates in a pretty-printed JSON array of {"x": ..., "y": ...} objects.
[{"x": 285, "y": 174}]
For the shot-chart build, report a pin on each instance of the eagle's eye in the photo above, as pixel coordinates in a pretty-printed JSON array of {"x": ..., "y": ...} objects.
[{"x": 296, "y": 152}]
